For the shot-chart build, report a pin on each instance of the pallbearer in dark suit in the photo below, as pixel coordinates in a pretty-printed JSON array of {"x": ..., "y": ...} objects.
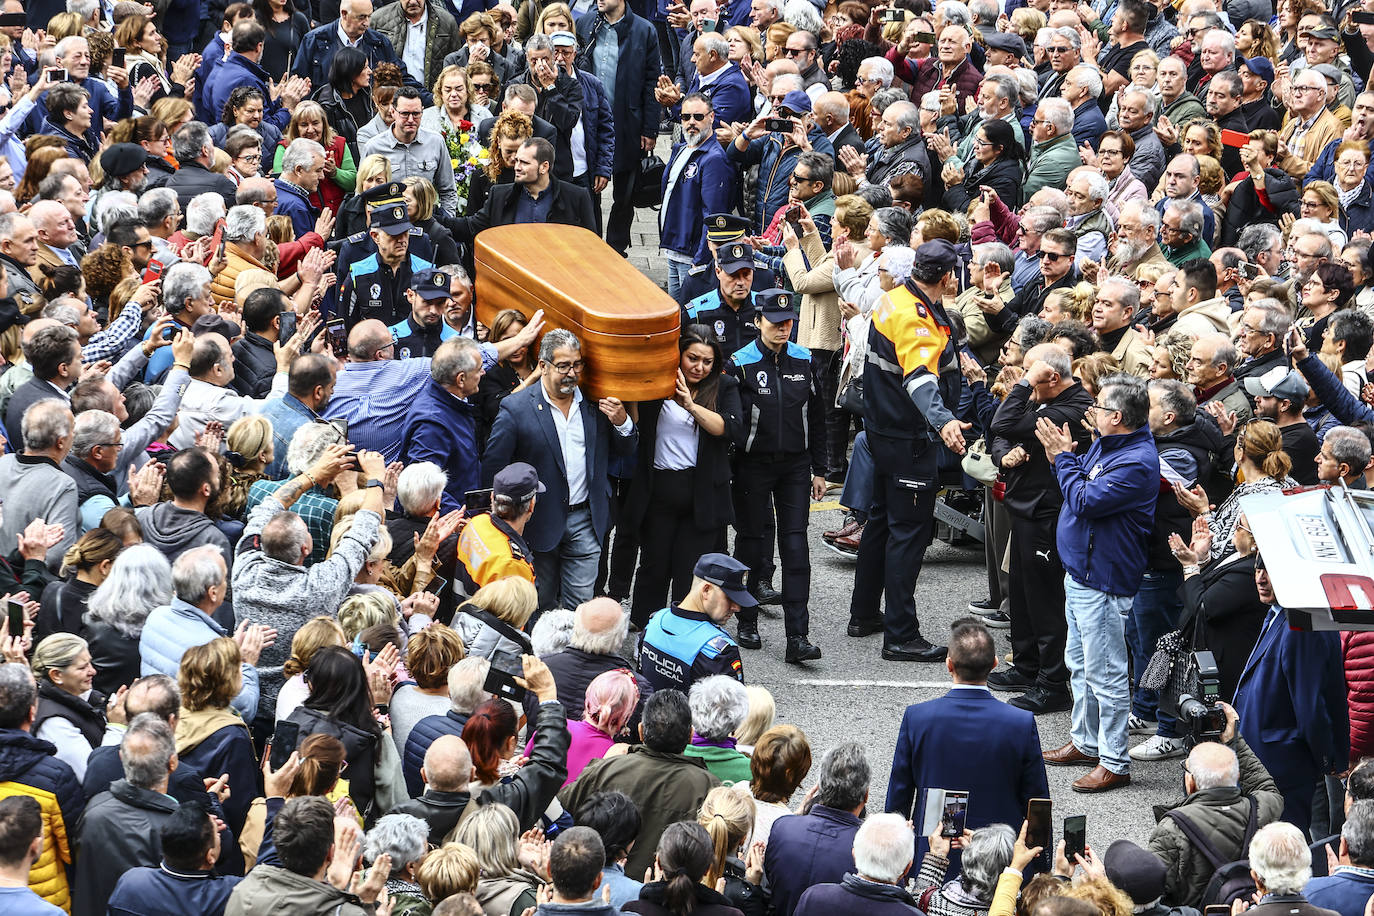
[
  {"x": 567, "y": 439},
  {"x": 939, "y": 737}
]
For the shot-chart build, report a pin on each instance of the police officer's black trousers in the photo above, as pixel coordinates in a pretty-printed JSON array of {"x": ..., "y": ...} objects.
[
  {"x": 764, "y": 571},
  {"x": 1039, "y": 628},
  {"x": 786, "y": 480},
  {"x": 895, "y": 539},
  {"x": 672, "y": 544}
]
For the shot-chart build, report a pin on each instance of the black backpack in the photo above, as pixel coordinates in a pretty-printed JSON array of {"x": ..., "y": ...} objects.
[{"x": 1230, "y": 880}]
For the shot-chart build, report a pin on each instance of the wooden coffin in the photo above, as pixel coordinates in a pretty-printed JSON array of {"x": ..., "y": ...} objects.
[{"x": 627, "y": 325}]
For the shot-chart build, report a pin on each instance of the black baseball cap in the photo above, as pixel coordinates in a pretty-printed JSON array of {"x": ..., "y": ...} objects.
[
  {"x": 727, "y": 574},
  {"x": 777, "y": 305},
  {"x": 516, "y": 482},
  {"x": 431, "y": 283},
  {"x": 735, "y": 256}
]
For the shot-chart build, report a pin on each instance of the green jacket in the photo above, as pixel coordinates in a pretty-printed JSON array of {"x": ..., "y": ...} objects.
[
  {"x": 1184, "y": 108},
  {"x": 1221, "y": 814},
  {"x": 727, "y": 764},
  {"x": 1178, "y": 256},
  {"x": 1051, "y": 162}
]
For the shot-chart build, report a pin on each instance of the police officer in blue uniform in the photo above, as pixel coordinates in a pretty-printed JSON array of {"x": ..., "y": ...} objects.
[
  {"x": 421, "y": 332},
  {"x": 722, "y": 229},
  {"x": 728, "y": 310},
  {"x": 375, "y": 286},
  {"x": 782, "y": 461},
  {"x": 359, "y": 245},
  {"x": 686, "y": 642}
]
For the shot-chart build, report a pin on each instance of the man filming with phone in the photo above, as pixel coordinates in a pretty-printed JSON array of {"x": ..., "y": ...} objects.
[
  {"x": 1225, "y": 786},
  {"x": 492, "y": 544}
]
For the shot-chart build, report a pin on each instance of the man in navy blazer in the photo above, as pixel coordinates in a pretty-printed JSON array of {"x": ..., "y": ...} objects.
[
  {"x": 939, "y": 737},
  {"x": 568, "y": 440},
  {"x": 1291, "y": 701}
]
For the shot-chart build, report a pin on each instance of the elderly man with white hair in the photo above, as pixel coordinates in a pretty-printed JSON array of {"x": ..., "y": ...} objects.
[
  {"x": 1087, "y": 191},
  {"x": 1136, "y": 115},
  {"x": 1220, "y": 780},
  {"x": 56, "y": 232},
  {"x": 32, "y": 486},
  {"x": 1053, "y": 153},
  {"x": 1281, "y": 864},
  {"x": 719, "y": 706},
  {"x": 199, "y": 584},
  {"x": 874, "y": 73},
  {"x": 302, "y": 170},
  {"x": 600, "y": 629},
  {"x": 1310, "y": 126},
  {"x": 883, "y": 851},
  {"x": 96, "y": 443}
]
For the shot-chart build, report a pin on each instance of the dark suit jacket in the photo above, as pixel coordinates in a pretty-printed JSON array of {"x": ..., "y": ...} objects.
[
  {"x": 712, "y": 504},
  {"x": 572, "y": 206},
  {"x": 636, "y": 111},
  {"x": 1292, "y": 704},
  {"x": 524, "y": 431},
  {"x": 848, "y": 136},
  {"x": 24, "y": 397},
  {"x": 939, "y": 738}
]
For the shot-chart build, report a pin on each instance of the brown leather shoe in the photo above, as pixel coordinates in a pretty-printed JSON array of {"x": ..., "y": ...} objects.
[
  {"x": 1068, "y": 755},
  {"x": 851, "y": 541},
  {"x": 851, "y": 525},
  {"x": 1101, "y": 779}
]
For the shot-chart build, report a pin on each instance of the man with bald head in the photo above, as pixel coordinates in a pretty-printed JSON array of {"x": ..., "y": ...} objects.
[
  {"x": 56, "y": 232},
  {"x": 208, "y": 396},
  {"x": 831, "y": 110},
  {"x": 600, "y": 629},
  {"x": 448, "y": 767},
  {"x": 374, "y": 388}
]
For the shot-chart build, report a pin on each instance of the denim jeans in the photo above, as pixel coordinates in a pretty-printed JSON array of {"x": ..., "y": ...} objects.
[
  {"x": 857, "y": 495},
  {"x": 566, "y": 576},
  {"x": 1154, "y": 612},
  {"x": 1102, "y": 689},
  {"x": 677, "y": 275}
]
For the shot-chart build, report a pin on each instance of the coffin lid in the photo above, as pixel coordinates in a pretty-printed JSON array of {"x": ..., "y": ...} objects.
[{"x": 571, "y": 271}]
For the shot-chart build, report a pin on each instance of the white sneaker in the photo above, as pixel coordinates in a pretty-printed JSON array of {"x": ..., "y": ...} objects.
[
  {"x": 1157, "y": 747},
  {"x": 1138, "y": 726}
]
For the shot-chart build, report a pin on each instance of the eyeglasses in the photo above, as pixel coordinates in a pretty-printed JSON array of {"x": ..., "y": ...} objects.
[
  {"x": 1096, "y": 406},
  {"x": 688, "y": 117},
  {"x": 117, "y": 446},
  {"x": 794, "y": 178},
  {"x": 1053, "y": 50},
  {"x": 1297, "y": 89},
  {"x": 788, "y": 113},
  {"x": 1051, "y": 255},
  {"x": 793, "y": 52},
  {"x": 484, "y": 87},
  {"x": 569, "y": 368},
  {"x": 1103, "y": 151},
  {"x": 408, "y": 115}
]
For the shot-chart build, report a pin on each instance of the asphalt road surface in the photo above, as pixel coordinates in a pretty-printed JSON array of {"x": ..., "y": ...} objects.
[{"x": 851, "y": 693}]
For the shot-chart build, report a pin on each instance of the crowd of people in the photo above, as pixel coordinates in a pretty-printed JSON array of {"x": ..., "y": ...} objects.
[{"x": 329, "y": 590}]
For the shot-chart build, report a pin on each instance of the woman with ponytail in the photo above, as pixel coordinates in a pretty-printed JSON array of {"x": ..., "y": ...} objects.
[
  {"x": 1262, "y": 466},
  {"x": 322, "y": 766},
  {"x": 490, "y": 734},
  {"x": 86, "y": 564},
  {"x": 684, "y": 856},
  {"x": 727, "y": 816}
]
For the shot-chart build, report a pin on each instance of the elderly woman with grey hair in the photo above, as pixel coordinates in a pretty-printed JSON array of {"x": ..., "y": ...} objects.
[
  {"x": 140, "y": 579},
  {"x": 986, "y": 852},
  {"x": 719, "y": 705},
  {"x": 405, "y": 839}
]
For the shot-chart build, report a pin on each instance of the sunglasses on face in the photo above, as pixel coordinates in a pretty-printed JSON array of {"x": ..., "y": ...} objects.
[
  {"x": 1050, "y": 255},
  {"x": 688, "y": 117}
]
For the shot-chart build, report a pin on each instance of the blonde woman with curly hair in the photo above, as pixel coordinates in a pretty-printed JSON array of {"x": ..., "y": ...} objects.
[
  {"x": 1170, "y": 355},
  {"x": 317, "y": 633},
  {"x": 1094, "y": 367},
  {"x": 512, "y": 128}
]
